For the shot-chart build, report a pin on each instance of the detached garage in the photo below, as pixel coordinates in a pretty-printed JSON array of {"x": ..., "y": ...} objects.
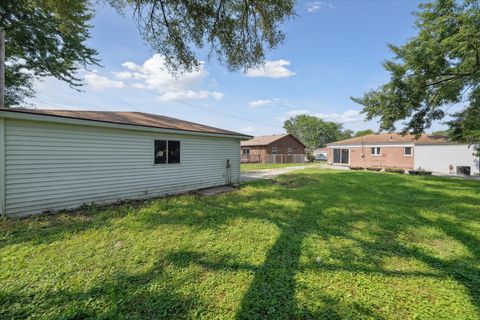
[{"x": 57, "y": 159}]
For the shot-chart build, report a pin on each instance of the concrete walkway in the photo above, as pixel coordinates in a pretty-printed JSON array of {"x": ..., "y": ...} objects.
[{"x": 270, "y": 173}]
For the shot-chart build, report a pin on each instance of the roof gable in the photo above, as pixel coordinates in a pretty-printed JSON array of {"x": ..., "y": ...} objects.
[{"x": 266, "y": 140}]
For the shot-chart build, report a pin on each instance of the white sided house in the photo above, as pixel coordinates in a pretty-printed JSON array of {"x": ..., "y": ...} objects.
[{"x": 58, "y": 159}]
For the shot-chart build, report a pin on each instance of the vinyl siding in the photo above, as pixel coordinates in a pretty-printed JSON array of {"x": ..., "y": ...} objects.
[
  {"x": 52, "y": 166},
  {"x": 437, "y": 158}
]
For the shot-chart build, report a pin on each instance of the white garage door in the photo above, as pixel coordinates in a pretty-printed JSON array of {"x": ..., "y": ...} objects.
[{"x": 438, "y": 158}]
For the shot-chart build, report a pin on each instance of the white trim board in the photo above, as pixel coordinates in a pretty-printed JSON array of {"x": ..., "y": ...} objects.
[
  {"x": 373, "y": 146},
  {"x": 2, "y": 167}
]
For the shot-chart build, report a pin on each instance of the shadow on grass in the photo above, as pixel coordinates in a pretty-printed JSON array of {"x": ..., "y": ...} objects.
[{"x": 326, "y": 205}]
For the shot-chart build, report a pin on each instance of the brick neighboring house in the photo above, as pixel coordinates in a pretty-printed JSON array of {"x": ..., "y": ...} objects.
[
  {"x": 281, "y": 148},
  {"x": 392, "y": 150}
]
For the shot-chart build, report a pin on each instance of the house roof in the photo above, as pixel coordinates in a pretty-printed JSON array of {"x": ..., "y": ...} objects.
[
  {"x": 393, "y": 138},
  {"x": 129, "y": 118},
  {"x": 266, "y": 140}
]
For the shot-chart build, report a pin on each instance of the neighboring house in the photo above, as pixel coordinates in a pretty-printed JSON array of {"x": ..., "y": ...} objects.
[
  {"x": 58, "y": 159},
  {"x": 280, "y": 148},
  {"x": 392, "y": 150}
]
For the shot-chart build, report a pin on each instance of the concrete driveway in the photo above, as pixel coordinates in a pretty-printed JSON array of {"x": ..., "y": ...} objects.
[{"x": 269, "y": 173}]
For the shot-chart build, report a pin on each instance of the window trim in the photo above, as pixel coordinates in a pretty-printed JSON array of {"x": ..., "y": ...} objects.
[
  {"x": 407, "y": 155},
  {"x": 289, "y": 151},
  {"x": 246, "y": 153},
  {"x": 376, "y": 154},
  {"x": 274, "y": 152},
  {"x": 166, "y": 141},
  {"x": 340, "y": 163}
]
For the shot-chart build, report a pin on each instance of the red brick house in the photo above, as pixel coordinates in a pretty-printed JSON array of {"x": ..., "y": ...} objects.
[
  {"x": 392, "y": 150},
  {"x": 281, "y": 148}
]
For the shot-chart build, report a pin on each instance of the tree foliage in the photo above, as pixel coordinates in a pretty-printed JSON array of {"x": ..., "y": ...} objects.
[
  {"x": 438, "y": 68},
  {"x": 44, "y": 38},
  {"x": 365, "y": 132},
  {"x": 315, "y": 132},
  {"x": 237, "y": 32}
]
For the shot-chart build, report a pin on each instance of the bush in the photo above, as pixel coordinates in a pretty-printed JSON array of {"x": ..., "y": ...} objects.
[
  {"x": 395, "y": 170},
  {"x": 420, "y": 172}
]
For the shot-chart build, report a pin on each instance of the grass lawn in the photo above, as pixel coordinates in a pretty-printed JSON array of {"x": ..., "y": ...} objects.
[
  {"x": 314, "y": 244},
  {"x": 260, "y": 166}
]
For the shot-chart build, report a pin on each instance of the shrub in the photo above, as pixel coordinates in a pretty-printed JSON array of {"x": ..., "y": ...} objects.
[
  {"x": 420, "y": 172},
  {"x": 396, "y": 170}
]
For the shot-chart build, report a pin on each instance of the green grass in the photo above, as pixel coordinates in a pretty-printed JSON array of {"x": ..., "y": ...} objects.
[
  {"x": 314, "y": 244},
  {"x": 260, "y": 166}
]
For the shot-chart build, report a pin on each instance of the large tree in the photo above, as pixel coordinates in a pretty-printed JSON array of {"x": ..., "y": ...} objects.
[
  {"x": 437, "y": 69},
  {"x": 48, "y": 37},
  {"x": 315, "y": 132},
  {"x": 44, "y": 38},
  {"x": 237, "y": 32}
]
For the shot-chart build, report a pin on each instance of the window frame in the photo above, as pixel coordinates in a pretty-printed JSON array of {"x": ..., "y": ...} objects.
[
  {"x": 289, "y": 151},
  {"x": 166, "y": 143},
  {"x": 407, "y": 155},
  {"x": 376, "y": 154},
  {"x": 274, "y": 150},
  {"x": 341, "y": 158},
  {"x": 246, "y": 153}
]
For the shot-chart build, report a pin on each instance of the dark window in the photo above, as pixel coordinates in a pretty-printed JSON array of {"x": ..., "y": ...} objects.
[
  {"x": 160, "y": 151},
  {"x": 246, "y": 151},
  {"x": 341, "y": 156},
  {"x": 376, "y": 151},
  {"x": 408, "y": 151},
  {"x": 336, "y": 155},
  {"x": 345, "y": 155},
  {"x": 173, "y": 151},
  {"x": 167, "y": 152}
]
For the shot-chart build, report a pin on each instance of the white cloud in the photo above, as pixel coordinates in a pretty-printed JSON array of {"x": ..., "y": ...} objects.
[
  {"x": 99, "y": 82},
  {"x": 315, "y": 6},
  {"x": 153, "y": 75},
  {"x": 190, "y": 95},
  {"x": 347, "y": 116},
  {"x": 123, "y": 75},
  {"x": 260, "y": 103},
  {"x": 272, "y": 69}
]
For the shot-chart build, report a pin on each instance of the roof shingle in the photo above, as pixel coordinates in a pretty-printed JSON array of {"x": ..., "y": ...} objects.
[
  {"x": 130, "y": 118},
  {"x": 393, "y": 138}
]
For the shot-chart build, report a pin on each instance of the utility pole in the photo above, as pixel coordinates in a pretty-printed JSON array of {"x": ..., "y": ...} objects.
[{"x": 2, "y": 69}]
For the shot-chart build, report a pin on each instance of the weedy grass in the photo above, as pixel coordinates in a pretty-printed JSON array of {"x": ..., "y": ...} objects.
[{"x": 314, "y": 244}]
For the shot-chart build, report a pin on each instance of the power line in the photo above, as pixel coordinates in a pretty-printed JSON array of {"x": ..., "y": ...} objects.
[
  {"x": 174, "y": 100},
  {"x": 218, "y": 112}
]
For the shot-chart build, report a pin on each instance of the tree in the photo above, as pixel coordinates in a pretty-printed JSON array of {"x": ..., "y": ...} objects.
[
  {"x": 44, "y": 38},
  {"x": 48, "y": 37},
  {"x": 365, "y": 132},
  {"x": 237, "y": 31},
  {"x": 315, "y": 132},
  {"x": 438, "y": 68},
  {"x": 441, "y": 133}
]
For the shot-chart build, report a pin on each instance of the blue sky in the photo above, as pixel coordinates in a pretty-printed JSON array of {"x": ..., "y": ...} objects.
[{"x": 334, "y": 50}]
